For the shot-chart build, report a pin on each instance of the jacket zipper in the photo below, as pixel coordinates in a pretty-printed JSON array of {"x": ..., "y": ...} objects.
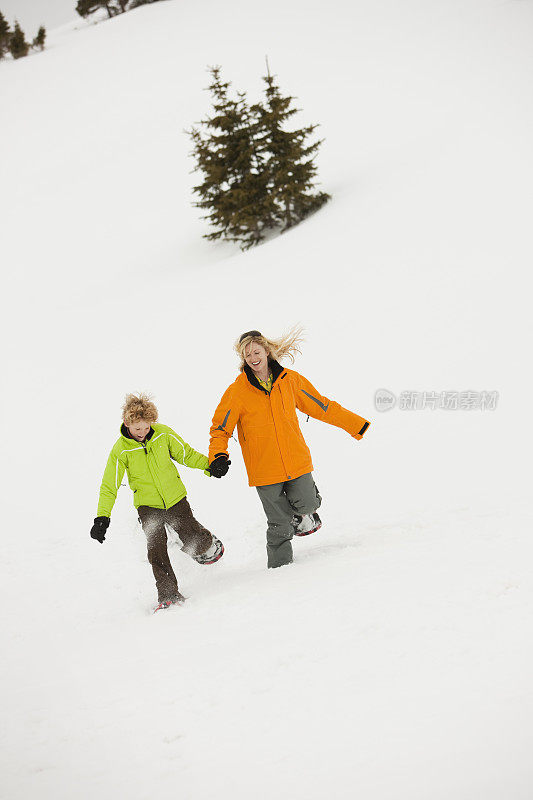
[
  {"x": 277, "y": 437},
  {"x": 153, "y": 476}
]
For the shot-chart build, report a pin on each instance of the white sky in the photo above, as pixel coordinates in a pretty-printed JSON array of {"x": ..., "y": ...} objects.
[{"x": 32, "y": 13}]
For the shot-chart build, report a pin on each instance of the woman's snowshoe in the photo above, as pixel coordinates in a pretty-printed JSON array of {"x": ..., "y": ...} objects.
[{"x": 306, "y": 524}]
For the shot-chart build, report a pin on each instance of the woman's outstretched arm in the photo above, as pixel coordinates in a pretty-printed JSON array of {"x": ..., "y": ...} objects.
[{"x": 310, "y": 401}]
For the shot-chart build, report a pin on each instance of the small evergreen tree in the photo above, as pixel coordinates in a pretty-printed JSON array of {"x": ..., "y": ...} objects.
[
  {"x": 18, "y": 46},
  {"x": 137, "y": 3},
  {"x": 234, "y": 189},
  {"x": 289, "y": 160},
  {"x": 87, "y": 7},
  {"x": 5, "y": 35},
  {"x": 39, "y": 40},
  {"x": 257, "y": 175},
  {"x": 113, "y": 7}
]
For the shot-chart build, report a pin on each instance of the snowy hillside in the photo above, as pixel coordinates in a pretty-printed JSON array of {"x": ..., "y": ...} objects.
[{"x": 391, "y": 661}]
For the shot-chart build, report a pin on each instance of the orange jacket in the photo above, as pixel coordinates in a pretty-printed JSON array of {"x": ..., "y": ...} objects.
[{"x": 272, "y": 444}]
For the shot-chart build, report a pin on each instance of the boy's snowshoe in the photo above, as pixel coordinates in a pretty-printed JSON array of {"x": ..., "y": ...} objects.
[
  {"x": 306, "y": 524},
  {"x": 212, "y": 554},
  {"x": 167, "y": 603}
]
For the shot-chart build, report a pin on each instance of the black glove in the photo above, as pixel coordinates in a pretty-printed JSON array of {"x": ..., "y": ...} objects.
[
  {"x": 219, "y": 465},
  {"x": 101, "y": 524}
]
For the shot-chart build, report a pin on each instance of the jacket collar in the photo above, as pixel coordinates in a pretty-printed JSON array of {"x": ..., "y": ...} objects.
[
  {"x": 275, "y": 368},
  {"x": 127, "y": 435}
]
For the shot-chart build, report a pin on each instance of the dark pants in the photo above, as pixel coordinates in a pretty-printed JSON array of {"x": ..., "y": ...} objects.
[
  {"x": 281, "y": 502},
  {"x": 194, "y": 537}
]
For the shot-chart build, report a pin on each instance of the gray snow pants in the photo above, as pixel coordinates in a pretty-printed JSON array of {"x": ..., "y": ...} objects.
[
  {"x": 195, "y": 539},
  {"x": 281, "y": 501}
]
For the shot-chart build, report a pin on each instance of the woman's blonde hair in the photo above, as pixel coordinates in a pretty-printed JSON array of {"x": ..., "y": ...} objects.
[
  {"x": 138, "y": 407},
  {"x": 285, "y": 347}
]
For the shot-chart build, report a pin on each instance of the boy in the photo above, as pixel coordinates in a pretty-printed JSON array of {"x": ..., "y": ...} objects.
[{"x": 146, "y": 451}]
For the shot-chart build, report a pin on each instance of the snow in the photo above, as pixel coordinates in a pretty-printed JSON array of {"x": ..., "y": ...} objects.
[{"x": 392, "y": 659}]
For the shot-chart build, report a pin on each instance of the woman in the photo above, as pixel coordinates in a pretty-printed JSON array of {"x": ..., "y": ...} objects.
[{"x": 262, "y": 403}]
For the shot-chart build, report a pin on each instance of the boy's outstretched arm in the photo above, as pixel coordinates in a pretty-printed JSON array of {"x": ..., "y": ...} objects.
[
  {"x": 113, "y": 474},
  {"x": 183, "y": 453}
]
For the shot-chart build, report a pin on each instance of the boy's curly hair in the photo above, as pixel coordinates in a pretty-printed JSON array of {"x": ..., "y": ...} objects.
[{"x": 138, "y": 407}]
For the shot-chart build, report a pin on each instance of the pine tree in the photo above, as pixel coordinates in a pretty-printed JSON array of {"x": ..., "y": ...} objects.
[
  {"x": 289, "y": 160},
  {"x": 87, "y": 7},
  {"x": 137, "y": 3},
  {"x": 5, "y": 35},
  {"x": 18, "y": 46},
  {"x": 40, "y": 38},
  {"x": 257, "y": 175},
  {"x": 234, "y": 190}
]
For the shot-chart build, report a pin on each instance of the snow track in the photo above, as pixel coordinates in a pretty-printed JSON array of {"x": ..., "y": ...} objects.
[{"x": 392, "y": 660}]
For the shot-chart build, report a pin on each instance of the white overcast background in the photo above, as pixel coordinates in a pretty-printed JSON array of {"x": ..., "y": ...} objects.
[{"x": 33, "y": 13}]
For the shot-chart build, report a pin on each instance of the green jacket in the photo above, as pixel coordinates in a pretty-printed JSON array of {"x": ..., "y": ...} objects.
[{"x": 152, "y": 476}]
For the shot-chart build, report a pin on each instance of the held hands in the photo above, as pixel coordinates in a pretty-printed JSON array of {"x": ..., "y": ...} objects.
[
  {"x": 219, "y": 465},
  {"x": 101, "y": 524}
]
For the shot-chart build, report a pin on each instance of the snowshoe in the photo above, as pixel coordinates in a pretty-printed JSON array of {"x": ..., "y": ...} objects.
[
  {"x": 306, "y": 524},
  {"x": 212, "y": 554},
  {"x": 167, "y": 603}
]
